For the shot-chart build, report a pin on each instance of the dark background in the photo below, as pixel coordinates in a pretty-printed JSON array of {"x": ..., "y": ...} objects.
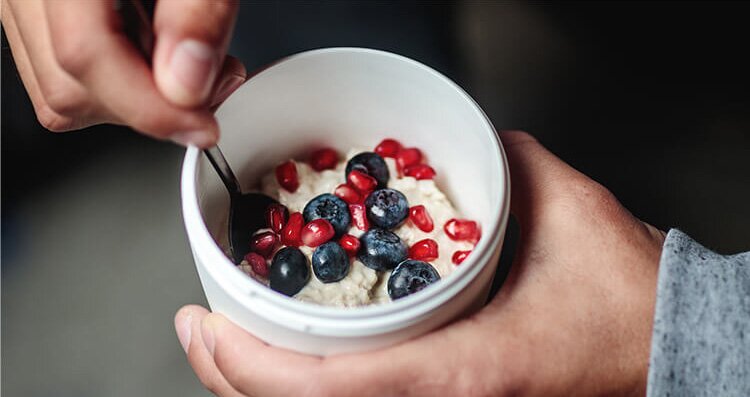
[{"x": 650, "y": 99}]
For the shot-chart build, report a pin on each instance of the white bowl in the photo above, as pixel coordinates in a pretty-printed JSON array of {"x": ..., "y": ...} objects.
[{"x": 345, "y": 98}]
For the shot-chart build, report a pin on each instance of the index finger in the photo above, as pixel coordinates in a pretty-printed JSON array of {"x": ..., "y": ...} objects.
[{"x": 89, "y": 45}]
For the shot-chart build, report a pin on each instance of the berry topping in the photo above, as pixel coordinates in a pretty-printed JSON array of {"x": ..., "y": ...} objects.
[
  {"x": 264, "y": 243},
  {"x": 276, "y": 217},
  {"x": 373, "y": 164},
  {"x": 257, "y": 263},
  {"x": 381, "y": 249},
  {"x": 361, "y": 181},
  {"x": 459, "y": 257},
  {"x": 317, "y": 232},
  {"x": 386, "y": 208},
  {"x": 286, "y": 175},
  {"x": 359, "y": 216},
  {"x": 347, "y": 193},
  {"x": 388, "y": 148},
  {"x": 330, "y": 262},
  {"x": 419, "y": 216},
  {"x": 411, "y": 276},
  {"x": 291, "y": 233},
  {"x": 289, "y": 271},
  {"x": 330, "y": 208},
  {"x": 462, "y": 230},
  {"x": 324, "y": 159},
  {"x": 350, "y": 244},
  {"x": 420, "y": 171},
  {"x": 407, "y": 157},
  {"x": 424, "y": 250}
]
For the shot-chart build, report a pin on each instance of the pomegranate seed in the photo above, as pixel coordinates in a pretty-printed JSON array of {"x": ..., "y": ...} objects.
[
  {"x": 424, "y": 250},
  {"x": 317, "y": 232},
  {"x": 462, "y": 229},
  {"x": 350, "y": 244},
  {"x": 420, "y": 171},
  {"x": 290, "y": 234},
  {"x": 348, "y": 194},
  {"x": 361, "y": 181},
  {"x": 407, "y": 157},
  {"x": 388, "y": 148},
  {"x": 324, "y": 159},
  {"x": 459, "y": 256},
  {"x": 419, "y": 216},
  {"x": 359, "y": 216},
  {"x": 257, "y": 263},
  {"x": 264, "y": 243},
  {"x": 286, "y": 174},
  {"x": 276, "y": 216}
]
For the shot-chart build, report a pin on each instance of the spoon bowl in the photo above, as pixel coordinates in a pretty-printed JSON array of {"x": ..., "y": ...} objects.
[{"x": 246, "y": 210}]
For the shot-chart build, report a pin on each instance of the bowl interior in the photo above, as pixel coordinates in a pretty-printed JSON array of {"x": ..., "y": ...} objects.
[{"x": 353, "y": 98}]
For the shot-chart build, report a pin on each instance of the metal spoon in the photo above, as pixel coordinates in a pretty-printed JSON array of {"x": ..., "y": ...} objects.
[{"x": 246, "y": 211}]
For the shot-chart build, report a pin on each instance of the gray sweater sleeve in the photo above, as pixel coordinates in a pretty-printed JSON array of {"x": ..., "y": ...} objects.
[{"x": 701, "y": 340}]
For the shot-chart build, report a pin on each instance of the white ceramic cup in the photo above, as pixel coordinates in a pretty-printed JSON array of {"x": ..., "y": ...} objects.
[{"x": 344, "y": 98}]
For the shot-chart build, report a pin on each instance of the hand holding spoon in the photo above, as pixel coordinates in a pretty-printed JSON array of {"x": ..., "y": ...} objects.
[{"x": 246, "y": 211}]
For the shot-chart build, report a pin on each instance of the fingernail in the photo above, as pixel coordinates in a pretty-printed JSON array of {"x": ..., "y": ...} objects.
[
  {"x": 194, "y": 66},
  {"x": 207, "y": 334},
  {"x": 227, "y": 87},
  {"x": 184, "y": 328},
  {"x": 197, "y": 138}
]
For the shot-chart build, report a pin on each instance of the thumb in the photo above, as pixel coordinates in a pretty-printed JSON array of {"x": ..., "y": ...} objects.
[
  {"x": 537, "y": 176},
  {"x": 191, "y": 40},
  {"x": 251, "y": 366}
]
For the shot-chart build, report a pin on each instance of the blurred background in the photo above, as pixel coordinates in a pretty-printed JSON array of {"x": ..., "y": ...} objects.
[{"x": 650, "y": 99}]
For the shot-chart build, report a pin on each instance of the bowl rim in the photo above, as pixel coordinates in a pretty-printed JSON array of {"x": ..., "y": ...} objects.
[{"x": 383, "y": 316}]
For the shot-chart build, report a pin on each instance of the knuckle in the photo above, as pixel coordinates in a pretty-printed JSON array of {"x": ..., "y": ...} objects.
[
  {"x": 65, "y": 99},
  {"x": 51, "y": 120},
  {"x": 601, "y": 200},
  {"x": 586, "y": 197},
  {"x": 589, "y": 191},
  {"x": 74, "y": 54}
]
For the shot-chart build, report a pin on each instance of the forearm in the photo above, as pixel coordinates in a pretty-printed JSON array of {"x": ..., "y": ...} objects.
[{"x": 701, "y": 337}]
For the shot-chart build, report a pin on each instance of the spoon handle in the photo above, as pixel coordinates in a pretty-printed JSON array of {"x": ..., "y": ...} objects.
[{"x": 217, "y": 159}]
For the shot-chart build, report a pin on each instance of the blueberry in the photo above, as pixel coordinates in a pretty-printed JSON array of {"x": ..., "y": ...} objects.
[
  {"x": 372, "y": 164},
  {"x": 289, "y": 271},
  {"x": 381, "y": 250},
  {"x": 330, "y": 262},
  {"x": 410, "y": 276},
  {"x": 386, "y": 208},
  {"x": 330, "y": 208}
]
